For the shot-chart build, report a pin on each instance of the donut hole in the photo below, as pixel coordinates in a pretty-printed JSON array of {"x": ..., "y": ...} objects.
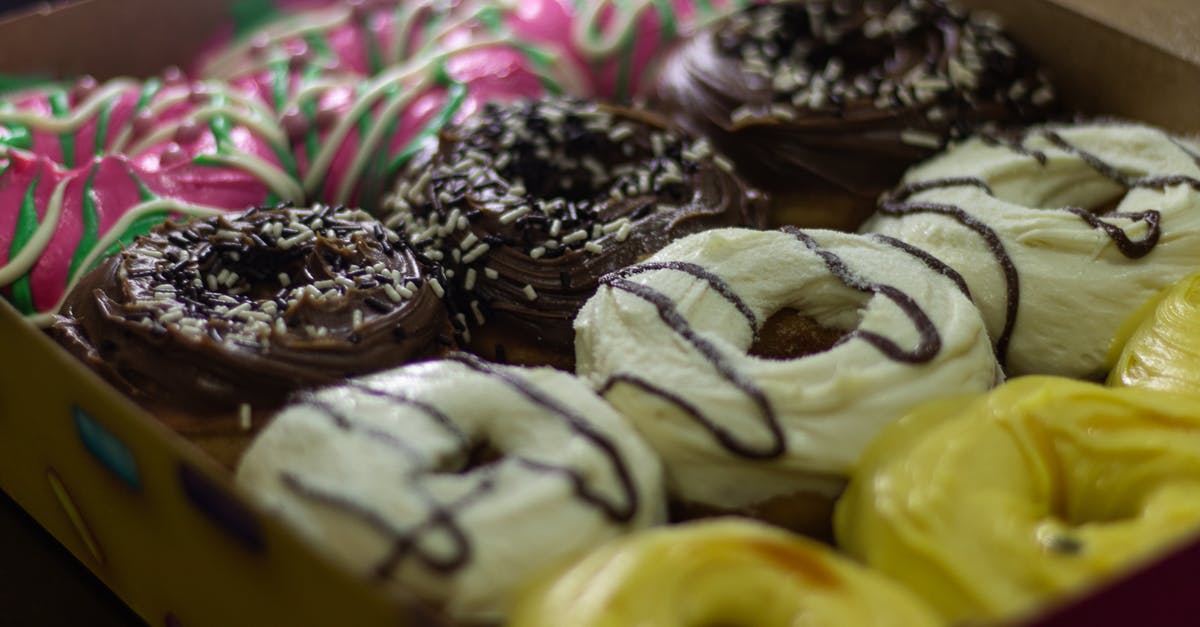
[
  {"x": 791, "y": 334},
  {"x": 479, "y": 455},
  {"x": 587, "y": 162},
  {"x": 1060, "y": 184}
]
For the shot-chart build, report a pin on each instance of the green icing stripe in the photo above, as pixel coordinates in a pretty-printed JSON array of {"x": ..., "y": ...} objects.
[
  {"x": 140, "y": 226},
  {"x": 705, "y": 8},
  {"x": 102, "y": 126},
  {"x": 668, "y": 22},
  {"x": 279, "y": 83},
  {"x": 374, "y": 53},
  {"x": 91, "y": 226},
  {"x": 27, "y": 223},
  {"x": 312, "y": 139},
  {"x": 220, "y": 126},
  {"x": 319, "y": 45},
  {"x": 9, "y": 83},
  {"x": 374, "y": 178},
  {"x": 60, "y": 104},
  {"x": 16, "y": 135},
  {"x": 248, "y": 15},
  {"x": 456, "y": 93},
  {"x": 149, "y": 90}
]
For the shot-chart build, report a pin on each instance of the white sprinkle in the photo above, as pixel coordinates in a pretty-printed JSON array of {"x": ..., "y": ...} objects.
[
  {"x": 245, "y": 417},
  {"x": 922, "y": 139},
  {"x": 490, "y": 273},
  {"x": 469, "y": 281},
  {"x": 593, "y": 247},
  {"x": 555, "y": 227},
  {"x": 575, "y": 236},
  {"x": 624, "y": 231},
  {"x": 323, "y": 284},
  {"x": 530, "y": 293},
  {"x": 357, "y": 318},
  {"x": 783, "y": 112},
  {"x": 405, "y": 290},
  {"x": 1043, "y": 95},
  {"x": 723, "y": 163},
  {"x": 620, "y": 132},
  {"x": 391, "y": 293},
  {"x": 468, "y": 241},
  {"x": 284, "y": 279},
  {"x": 171, "y": 316},
  {"x": 537, "y": 252},
  {"x": 511, "y": 216},
  {"x": 479, "y": 319},
  {"x": 437, "y": 288},
  {"x": 476, "y": 253}
]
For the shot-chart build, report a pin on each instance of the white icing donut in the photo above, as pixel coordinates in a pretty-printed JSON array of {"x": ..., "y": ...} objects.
[
  {"x": 394, "y": 475},
  {"x": 667, "y": 341},
  {"x": 1029, "y": 222}
]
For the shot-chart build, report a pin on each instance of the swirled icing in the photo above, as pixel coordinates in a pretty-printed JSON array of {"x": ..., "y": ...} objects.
[
  {"x": 1052, "y": 222},
  {"x": 667, "y": 343},
  {"x": 86, "y": 169},
  {"x": 990, "y": 506},
  {"x": 722, "y": 572},
  {"x": 404, "y": 477}
]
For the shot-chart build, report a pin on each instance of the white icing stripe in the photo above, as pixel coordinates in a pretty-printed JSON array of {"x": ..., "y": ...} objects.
[
  {"x": 227, "y": 63},
  {"x": 377, "y": 87},
  {"x": 20, "y": 265},
  {"x": 269, "y": 131},
  {"x": 590, "y": 38},
  {"x": 152, "y": 108},
  {"x": 80, "y": 116},
  {"x": 110, "y": 238},
  {"x": 369, "y": 143},
  {"x": 279, "y": 182}
]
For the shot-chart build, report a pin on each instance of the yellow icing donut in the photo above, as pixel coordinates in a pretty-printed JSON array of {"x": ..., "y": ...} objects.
[
  {"x": 990, "y": 505},
  {"x": 720, "y": 572},
  {"x": 1161, "y": 348}
]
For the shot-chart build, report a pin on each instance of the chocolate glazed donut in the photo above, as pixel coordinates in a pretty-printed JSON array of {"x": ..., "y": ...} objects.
[
  {"x": 822, "y": 98},
  {"x": 214, "y": 314},
  {"x": 529, "y": 204}
]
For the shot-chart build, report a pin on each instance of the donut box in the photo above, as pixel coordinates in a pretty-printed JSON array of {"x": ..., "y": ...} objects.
[{"x": 162, "y": 524}]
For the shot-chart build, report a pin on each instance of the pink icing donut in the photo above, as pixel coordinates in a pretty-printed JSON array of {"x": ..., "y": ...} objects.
[
  {"x": 84, "y": 169},
  {"x": 360, "y": 86}
]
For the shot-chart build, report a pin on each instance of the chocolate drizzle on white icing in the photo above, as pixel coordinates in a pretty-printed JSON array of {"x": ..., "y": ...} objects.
[
  {"x": 931, "y": 341},
  {"x": 442, "y": 519},
  {"x": 896, "y": 204},
  {"x": 928, "y": 346},
  {"x": 673, "y": 319},
  {"x": 715, "y": 282}
]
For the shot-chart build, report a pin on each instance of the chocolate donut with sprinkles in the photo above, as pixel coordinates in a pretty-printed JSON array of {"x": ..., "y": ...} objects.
[
  {"x": 824, "y": 104},
  {"x": 529, "y": 204},
  {"x": 213, "y": 314}
]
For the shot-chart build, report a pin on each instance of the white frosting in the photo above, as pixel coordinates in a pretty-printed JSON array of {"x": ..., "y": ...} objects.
[
  {"x": 1076, "y": 287},
  {"x": 828, "y": 405},
  {"x": 396, "y": 464}
]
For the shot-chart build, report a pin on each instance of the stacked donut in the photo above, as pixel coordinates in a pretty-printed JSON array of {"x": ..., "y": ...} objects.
[{"x": 437, "y": 177}]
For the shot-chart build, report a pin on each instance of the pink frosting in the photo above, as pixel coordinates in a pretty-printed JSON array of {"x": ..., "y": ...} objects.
[{"x": 168, "y": 169}]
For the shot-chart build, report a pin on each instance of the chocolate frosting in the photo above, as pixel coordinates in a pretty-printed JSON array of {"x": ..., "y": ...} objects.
[
  {"x": 530, "y": 204},
  {"x": 848, "y": 92},
  {"x": 245, "y": 308}
]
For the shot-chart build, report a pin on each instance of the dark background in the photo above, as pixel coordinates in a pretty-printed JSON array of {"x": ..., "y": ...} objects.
[{"x": 41, "y": 584}]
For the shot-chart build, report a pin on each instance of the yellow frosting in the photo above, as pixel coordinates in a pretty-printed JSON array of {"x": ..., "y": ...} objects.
[
  {"x": 1162, "y": 350},
  {"x": 723, "y": 572},
  {"x": 990, "y": 505}
]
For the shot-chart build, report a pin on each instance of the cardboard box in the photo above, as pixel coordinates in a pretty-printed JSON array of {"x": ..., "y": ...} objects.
[{"x": 162, "y": 524}]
